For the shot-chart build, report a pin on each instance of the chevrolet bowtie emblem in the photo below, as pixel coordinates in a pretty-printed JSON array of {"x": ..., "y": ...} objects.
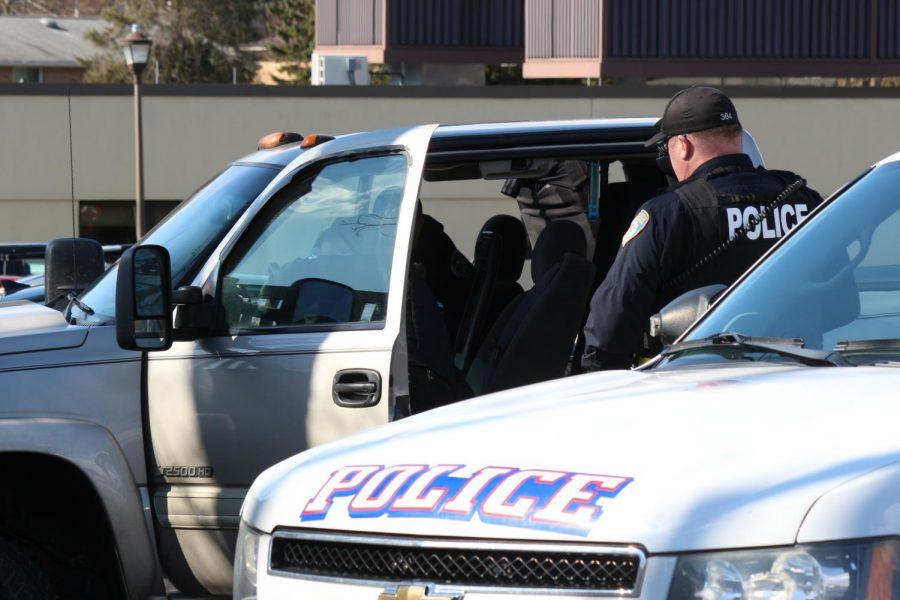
[{"x": 413, "y": 592}]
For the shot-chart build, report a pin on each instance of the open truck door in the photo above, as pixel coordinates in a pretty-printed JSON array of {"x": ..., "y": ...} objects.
[{"x": 300, "y": 308}]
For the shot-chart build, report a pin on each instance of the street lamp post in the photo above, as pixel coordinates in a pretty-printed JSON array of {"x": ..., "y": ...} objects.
[{"x": 136, "y": 47}]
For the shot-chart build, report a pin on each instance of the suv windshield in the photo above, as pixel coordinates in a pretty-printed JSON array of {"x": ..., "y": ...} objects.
[
  {"x": 190, "y": 233},
  {"x": 833, "y": 286}
]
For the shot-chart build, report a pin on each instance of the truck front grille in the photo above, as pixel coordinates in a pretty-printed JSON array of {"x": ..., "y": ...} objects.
[{"x": 468, "y": 564}]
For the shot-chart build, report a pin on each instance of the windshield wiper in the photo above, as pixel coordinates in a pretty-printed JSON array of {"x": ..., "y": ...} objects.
[
  {"x": 84, "y": 307},
  {"x": 787, "y": 347},
  {"x": 868, "y": 347}
]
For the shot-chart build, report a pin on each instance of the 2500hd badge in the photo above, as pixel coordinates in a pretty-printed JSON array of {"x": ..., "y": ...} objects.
[{"x": 185, "y": 471}]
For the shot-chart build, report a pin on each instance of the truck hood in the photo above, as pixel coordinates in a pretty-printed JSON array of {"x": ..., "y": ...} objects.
[
  {"x": 29, "y": 327},
  {"x": 682, "y": 460}
]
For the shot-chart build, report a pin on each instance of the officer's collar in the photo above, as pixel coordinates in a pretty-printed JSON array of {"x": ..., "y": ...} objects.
[{"x": 727, "y": 160}]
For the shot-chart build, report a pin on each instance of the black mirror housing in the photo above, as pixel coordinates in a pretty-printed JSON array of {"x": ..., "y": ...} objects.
[
  {"x": 675, "y": 317},
  {"x": 187, "y": 295},
  {"x": 72, "y": 264},
  {"x": 144, "y": 299}
]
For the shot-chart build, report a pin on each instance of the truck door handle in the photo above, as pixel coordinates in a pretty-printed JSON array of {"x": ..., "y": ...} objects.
[{"x": 356, "y": 388}]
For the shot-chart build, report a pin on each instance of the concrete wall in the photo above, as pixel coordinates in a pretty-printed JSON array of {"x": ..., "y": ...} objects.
[{"x": 188, "y": 138}]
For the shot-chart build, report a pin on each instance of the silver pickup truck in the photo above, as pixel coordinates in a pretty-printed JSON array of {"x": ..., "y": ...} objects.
[{"x": 263, "y": 317}]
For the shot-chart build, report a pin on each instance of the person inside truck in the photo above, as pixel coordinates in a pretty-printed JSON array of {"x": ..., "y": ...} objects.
[{"x": 561, "y": 194}]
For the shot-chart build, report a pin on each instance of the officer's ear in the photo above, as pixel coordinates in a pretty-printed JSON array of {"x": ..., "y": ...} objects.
[{"x": 684, "y": 147}]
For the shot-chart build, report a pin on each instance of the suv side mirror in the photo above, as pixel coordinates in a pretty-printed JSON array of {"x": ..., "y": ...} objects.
[
  {"x": 675, "y": 317},
  {"x": 71, "y": 265},
  {"x": 143, "y": 299}
]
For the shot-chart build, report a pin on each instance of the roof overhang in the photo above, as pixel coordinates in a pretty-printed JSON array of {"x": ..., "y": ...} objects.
[{"x": 30, "y": 64}]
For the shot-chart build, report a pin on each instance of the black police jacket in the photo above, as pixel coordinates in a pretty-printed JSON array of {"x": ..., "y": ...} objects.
[{"x": 671, "y": 233}]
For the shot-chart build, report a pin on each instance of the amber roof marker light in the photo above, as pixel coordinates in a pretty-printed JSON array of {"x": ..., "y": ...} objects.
[
  {"x": 316, "y": 139},
  {"x": 278, "y": 138}
]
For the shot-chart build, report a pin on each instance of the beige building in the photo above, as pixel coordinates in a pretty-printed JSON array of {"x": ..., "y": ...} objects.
[{"x": 191, "y": 132}]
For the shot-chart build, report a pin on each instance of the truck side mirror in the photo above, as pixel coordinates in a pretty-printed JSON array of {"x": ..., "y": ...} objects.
[
  {"x": 675, "y": 317},
  {"x": 143, "y": 299},
  {"x": 70, "y": 265}
]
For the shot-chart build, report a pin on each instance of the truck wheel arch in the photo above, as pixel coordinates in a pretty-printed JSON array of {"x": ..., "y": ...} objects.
[{"x": 94, "y": 453}]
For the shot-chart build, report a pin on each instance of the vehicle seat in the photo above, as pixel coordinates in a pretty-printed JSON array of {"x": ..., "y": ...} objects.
[
  {"x": 499, "y": 259},
  {"x": 618, "y": 207},
  {"x": 433, "y": 379},
  {"x": 367, "y": 234},
  {"x": 447, "y": 271},
  {"x": 387, "y": 204},
  {"x": 348, "y": 236},
  {"x": 532, "y": 340}
]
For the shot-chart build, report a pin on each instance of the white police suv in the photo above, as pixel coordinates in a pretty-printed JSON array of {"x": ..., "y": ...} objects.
[{"x": 756, "y": 457}]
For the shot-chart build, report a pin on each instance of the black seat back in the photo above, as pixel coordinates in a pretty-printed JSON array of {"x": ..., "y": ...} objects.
[
  {"x": 532, "y": 340},
  {"x": 433, "y": 379},
  {"x": 499, "y": 257}
]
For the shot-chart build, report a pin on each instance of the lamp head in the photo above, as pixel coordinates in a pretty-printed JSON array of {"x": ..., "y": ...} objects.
[{"x": 136, "y": 47}]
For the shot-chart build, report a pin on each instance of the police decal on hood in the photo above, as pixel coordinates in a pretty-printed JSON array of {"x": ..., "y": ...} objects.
[{"x": 560, "y": 501}]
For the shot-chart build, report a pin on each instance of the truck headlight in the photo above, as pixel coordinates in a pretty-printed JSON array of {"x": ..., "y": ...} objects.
[
  {"x": 845, "y": 571},
  {"x": 246, "y": 560}
]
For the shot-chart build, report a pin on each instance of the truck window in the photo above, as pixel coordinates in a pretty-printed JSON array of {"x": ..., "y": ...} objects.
[
  {"x": 189, "y": 233},
  {"x": 320, "y": 253}
]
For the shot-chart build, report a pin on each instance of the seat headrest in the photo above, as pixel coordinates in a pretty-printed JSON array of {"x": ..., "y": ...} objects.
[
  {"x": 387, "y": 203},
  {"x": 513, "y": 245},
  {"x": 556, "y": 240}
]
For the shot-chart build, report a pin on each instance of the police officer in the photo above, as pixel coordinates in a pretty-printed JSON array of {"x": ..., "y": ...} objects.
[{"x": 720, "y": 195}]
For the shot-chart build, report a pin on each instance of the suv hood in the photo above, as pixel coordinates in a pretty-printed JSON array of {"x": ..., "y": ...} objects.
[{"x": 679, "y": 460}]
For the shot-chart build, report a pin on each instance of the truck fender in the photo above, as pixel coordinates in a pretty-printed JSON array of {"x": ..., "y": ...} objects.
[
  {"x": 93, "y": 450},
  {"x": 866, "y": 506}
]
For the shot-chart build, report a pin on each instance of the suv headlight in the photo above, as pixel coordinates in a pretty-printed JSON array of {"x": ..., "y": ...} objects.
[
  {"x": 845, "y": 571},
  {"x": 246, "y": 560}
]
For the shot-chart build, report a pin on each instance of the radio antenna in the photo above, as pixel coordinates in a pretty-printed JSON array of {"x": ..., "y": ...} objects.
[{"x": 72, "y": 188}]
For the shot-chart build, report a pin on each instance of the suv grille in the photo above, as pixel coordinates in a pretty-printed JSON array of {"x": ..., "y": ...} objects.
[{"x": 461, "y": 562}]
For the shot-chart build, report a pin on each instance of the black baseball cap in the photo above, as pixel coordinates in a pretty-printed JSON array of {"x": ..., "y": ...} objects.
[{"x": 695, "y": 109}]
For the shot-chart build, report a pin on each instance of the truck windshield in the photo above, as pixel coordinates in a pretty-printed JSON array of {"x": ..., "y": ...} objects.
[
  {"x": 190, "y": 233},
  {"x": 835, "y": 284}
]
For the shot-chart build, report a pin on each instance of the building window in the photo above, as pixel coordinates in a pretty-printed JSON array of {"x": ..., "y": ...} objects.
[
  {"x": 157, "y": 210},
  {"x": 112, "y": 221},
  {"x": 26, "y": 75}
]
